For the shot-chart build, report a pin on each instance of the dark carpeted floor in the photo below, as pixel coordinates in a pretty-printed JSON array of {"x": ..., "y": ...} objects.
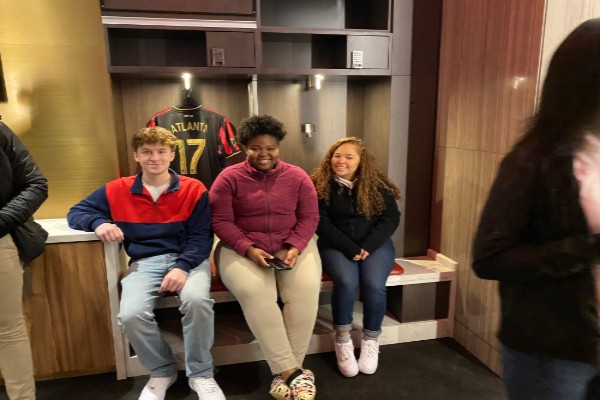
[{"x": 432, "y": 369}]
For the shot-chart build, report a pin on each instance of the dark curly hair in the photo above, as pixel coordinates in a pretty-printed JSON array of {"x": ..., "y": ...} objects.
[
  {"x": 259, "y": 125},
  {"x": 371, "y": 179}
]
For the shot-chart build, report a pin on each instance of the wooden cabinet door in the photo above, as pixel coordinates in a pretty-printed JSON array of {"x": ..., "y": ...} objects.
[{"x": 67, "y": 311}]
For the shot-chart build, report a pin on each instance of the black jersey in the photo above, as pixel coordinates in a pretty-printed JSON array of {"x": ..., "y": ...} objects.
[{"x": 205, "y": 139}]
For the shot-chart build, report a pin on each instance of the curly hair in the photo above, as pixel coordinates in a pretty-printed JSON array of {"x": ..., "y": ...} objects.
[
  {"x": 259, "y": 125},
  {"x": 370, "y": 179},
  {"x": 154, "y": 135}
]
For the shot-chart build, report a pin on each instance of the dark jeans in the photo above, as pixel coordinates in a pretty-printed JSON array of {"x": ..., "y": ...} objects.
[
  {"x": 529, "y": 377},
  {"x": 370, "y": 275}
]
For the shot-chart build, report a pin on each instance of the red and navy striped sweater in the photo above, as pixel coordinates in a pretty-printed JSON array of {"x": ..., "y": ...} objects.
[{"x": 178, "y": 222}]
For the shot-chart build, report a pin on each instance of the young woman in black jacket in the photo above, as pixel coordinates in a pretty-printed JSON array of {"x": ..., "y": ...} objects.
[
  {"x": 358, "y": 214},
  {"x": 539, "y": 233},
  {"x": 22, "y": 190}
]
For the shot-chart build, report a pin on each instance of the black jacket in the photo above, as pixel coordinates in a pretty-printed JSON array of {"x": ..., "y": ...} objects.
[
  {"x": 342, "y": 228},
  {"x": 22, "y": 187},
  {"x": 533, "y": 238}
]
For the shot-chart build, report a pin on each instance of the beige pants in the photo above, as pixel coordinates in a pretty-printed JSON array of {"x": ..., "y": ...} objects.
[
  {"x": 15, "y": 352},
  {"x": 283, "y": 335}
]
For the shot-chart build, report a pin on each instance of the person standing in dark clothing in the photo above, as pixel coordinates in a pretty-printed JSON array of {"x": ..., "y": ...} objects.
[
  {"x": 539, "y": 233},
  {"x": 23, "y": 189}
]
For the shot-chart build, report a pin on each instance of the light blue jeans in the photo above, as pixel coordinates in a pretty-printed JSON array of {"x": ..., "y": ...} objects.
[
  {"x": 140, "y": 292},
  {"x": 529, "y": 377}
]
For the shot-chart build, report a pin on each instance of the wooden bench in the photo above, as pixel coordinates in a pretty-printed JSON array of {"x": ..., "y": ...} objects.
[{"x": 235, "y": 344}]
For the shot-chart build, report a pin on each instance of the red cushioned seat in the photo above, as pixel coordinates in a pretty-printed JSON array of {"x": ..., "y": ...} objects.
[{"x": 397, "y": 270}]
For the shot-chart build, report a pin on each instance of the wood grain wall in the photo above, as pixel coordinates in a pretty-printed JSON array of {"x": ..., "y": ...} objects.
[
  {"x": 489, "y": 64},
  {"x": 59, "y": 96}
]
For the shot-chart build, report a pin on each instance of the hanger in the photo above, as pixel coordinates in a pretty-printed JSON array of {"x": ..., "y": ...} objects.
[{"x": 188, "y": 101}]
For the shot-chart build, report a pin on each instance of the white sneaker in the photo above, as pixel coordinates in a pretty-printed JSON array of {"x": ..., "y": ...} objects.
[
  {"x": 346, "y": 361},
  {"x": 206, "y": 388},
  {"x": 156, "y": 388},
  {"x": 369, "y": 356}
]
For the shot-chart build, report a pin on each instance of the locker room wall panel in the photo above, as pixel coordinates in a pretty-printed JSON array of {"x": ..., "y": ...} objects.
[
  {"x": 121, "y": 137},
  {"x": 59, "y": 99},
  {"x": 368, "y": 115},
  {"x": 485, "y": 48},
  {"x": 377, "y": 111},
  {"x": 143, "y": 98},
  {"x": 419, "y": 165},
  {"x": 376, "y": 119},
  {"x": 424, "y": 65},
  {"x": 354, "y": 109},
  {"x": 293, "y": 105},
  {"x": 398, "y": 150}
]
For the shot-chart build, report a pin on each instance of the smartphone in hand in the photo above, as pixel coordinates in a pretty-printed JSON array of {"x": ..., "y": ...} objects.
[{"x": 277, "y": 263}]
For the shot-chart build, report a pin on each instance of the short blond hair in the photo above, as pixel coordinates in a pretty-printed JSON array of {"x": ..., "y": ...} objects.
[{"x": 154, "y": 135}]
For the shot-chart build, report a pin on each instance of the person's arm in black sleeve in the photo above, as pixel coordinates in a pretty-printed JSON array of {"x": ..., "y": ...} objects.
[
  {"x": 386, "y": 225},
  {"x": 334, "y": 237},
  {"x": 501, "y": 249},
  {"x": 30, "y": 186}
]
